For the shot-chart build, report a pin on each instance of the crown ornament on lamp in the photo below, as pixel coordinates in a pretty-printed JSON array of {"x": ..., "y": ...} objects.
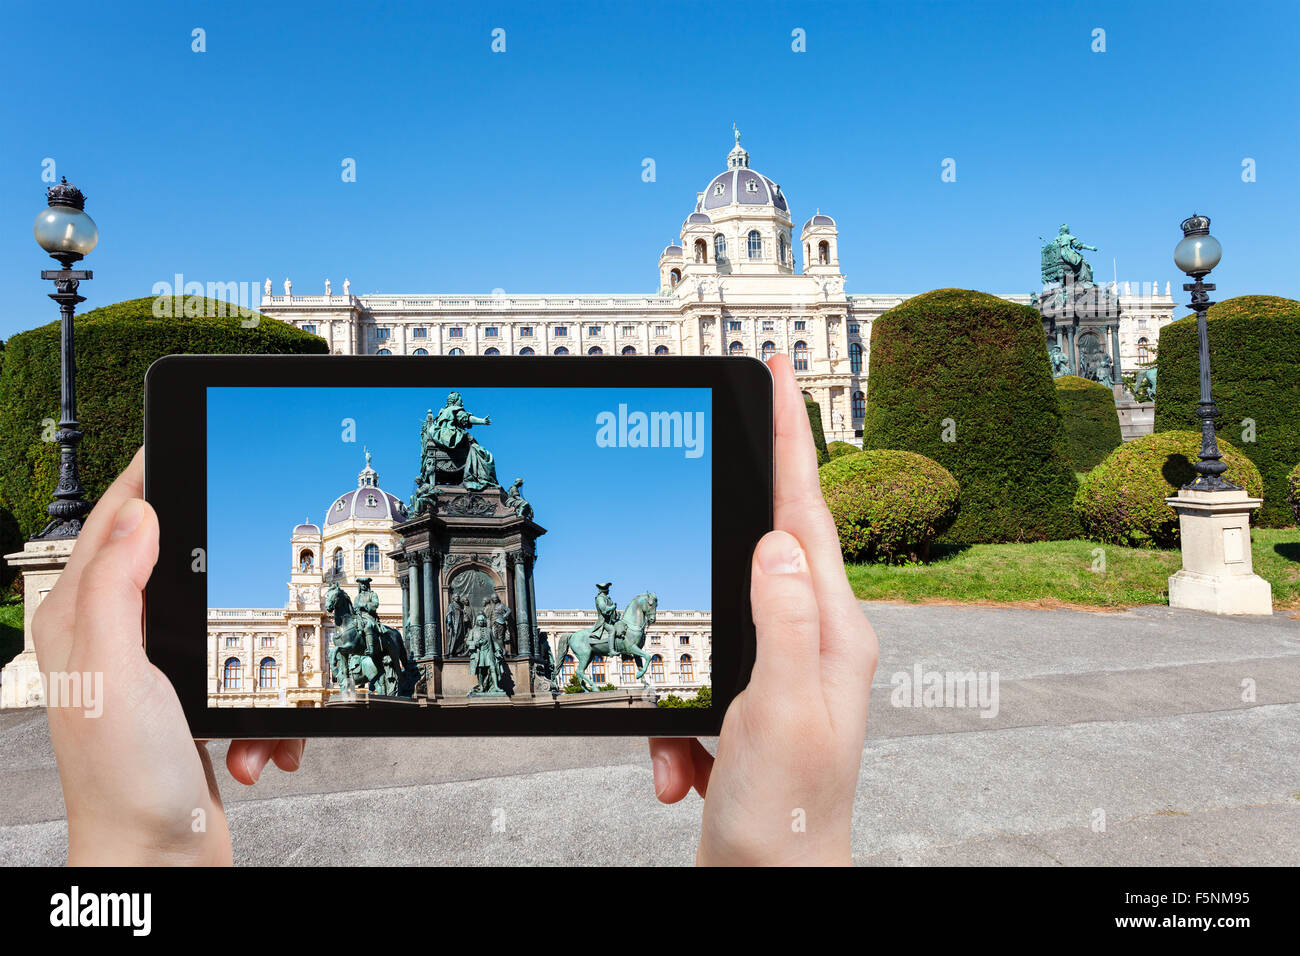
[
  {"x": 63, "y": 229},
  {"x": 1198, "y": 252}
]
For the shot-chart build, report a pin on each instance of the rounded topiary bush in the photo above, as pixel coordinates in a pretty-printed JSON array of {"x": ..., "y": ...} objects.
[
  {"x": 1122, "y": 500},
  {"x": 838, "y": 449},
  {"x": 963, "y": 378},
  {"x": 888, "y": 505},
  {"x": 1090, "y": 420},
  {"x": 1255, "y": 373},
  {"x": 115, "y": 346}
]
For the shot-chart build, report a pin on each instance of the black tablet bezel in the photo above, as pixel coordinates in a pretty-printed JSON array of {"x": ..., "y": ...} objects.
[{"x": 175, "y": 431}]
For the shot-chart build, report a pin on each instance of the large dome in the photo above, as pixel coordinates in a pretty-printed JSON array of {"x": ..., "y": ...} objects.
[
  {"x": 367, "y": 501},
  {"x": 742, "y": 185}
]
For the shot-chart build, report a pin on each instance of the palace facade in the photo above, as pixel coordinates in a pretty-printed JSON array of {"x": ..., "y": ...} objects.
[
  {"x": 279, "y": 657},
  {"x": 741, "y": 281}
]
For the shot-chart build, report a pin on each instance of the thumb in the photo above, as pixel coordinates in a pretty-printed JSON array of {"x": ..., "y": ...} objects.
[
  {"x": 110, "y": 597},
  {"x": 786, "y": 618}
]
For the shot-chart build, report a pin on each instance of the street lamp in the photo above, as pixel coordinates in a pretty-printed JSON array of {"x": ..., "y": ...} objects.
[
  {"x": 65, "y": 231},
  {"x": 1196, "y": 254}
]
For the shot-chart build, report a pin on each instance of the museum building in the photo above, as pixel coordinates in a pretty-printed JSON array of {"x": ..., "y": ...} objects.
[
  {"x": 279, "y": 657},
  {"x": 740, "y": 281}
]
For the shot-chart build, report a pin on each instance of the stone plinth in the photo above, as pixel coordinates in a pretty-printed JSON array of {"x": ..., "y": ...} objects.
[
  {"x": 41, "y": 563},
  {"x": 1217, "y": 574},
  {"x": 450, "y": 677},
  {"x": 1135, "y": 418}
]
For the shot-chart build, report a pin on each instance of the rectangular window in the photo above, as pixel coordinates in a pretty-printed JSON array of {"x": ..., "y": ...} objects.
[
  {"x": 490, "y": 332},
  {"x": 382, "y": 333},
  {"x": 733, "y": 325},
  {"x": 560, "y": 331},
  {"x": 526, "y": 331},
  {"x": 800, "y": 325},
  {"x": 628, "y": 330},
  {"x": 310, "y": 329},
  {"x": 593, "y": 330},
  {"x": 853, "y": 328},
  {"x": 769, "y": 325},
  {"x": 419, "y": 332},
  {"x": 661, "y": 330},
  {"x": 455, "y": 332}
]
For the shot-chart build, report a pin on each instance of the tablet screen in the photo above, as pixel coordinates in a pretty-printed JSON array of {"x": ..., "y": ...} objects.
[{"x": 459, "y": 546}]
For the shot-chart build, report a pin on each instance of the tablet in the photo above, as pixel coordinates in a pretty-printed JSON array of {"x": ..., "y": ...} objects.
[{"x": 392, "y": 545}]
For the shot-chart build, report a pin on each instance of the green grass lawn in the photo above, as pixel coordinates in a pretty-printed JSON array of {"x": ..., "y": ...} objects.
[
  {"x": 1061, "y": 573},
  {"x": 11, "y": 629}
]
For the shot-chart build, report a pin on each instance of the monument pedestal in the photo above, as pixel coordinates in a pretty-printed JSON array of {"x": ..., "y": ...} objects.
[
  {"x": 41, "y": 563},
  {"x": 1217, "y": 574}
]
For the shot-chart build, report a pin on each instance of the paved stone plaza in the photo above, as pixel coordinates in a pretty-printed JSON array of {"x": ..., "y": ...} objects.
[{"x": 1138, "y": 714}]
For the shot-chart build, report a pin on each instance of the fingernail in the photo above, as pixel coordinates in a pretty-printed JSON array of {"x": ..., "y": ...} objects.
[
  {"x": 660, "y": 765},
  {"x": 781, "y": 554},
  {"x": 128, "y": 518}
]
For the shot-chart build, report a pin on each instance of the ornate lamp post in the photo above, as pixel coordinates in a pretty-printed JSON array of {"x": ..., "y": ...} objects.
[
  {"x": 1213, "y": 513},
  {"x": 65, "y": 231},
  {"x": 1197, "y": 255}
]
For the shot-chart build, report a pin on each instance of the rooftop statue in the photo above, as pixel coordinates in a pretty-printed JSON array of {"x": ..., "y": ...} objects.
[
  {"x": 449, "y": 454},
  {"x": 611, "y": 635},
  {"x": 1063, "y": 260}
]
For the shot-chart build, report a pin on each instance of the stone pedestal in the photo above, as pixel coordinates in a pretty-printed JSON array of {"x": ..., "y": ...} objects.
[
  {"x": 1135, "y": 418},
  {"x": 41, "y": 563},
  {"x": 1217, "y": 574}
]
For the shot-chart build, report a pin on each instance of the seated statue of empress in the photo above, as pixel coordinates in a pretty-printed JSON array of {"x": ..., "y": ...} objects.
[{"x": 450, "y": 455}]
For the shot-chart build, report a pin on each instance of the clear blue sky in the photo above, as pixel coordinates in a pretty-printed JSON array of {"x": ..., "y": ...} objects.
[
  {"x": 522, "y": 170},
  {"x": 639, "y": 517}
]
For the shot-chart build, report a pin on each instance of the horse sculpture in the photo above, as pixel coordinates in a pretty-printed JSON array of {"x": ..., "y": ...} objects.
[
  {"x": 378, "y": 663},
  {"x": 601, "y": 639}
]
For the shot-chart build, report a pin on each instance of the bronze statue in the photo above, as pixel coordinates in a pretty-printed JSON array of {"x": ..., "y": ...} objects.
[
  {"x": 449, "y": 453},
  {"x": 1063, "y": 262},
  {"x": 500, "y": 618},
  {"x": 611, "y": 635},
  {"x": 485, "y": 664},
  {"x": 365, "y": 653},
  {"x": 457, "y": 617},
  {"x": 515, "y": 500}
]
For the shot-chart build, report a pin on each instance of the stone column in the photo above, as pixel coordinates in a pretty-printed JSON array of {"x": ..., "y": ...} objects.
[
  {"x": 414, "y": 632},
  {"x": 432, "y": 613},
  {"x": 1073, "y": 334},
  {"x": 406, "y": 613},
  {"x": 532, "y": 601},
  {"x": 1114, "y": 351},
  {"x": 523, "y": 614}
]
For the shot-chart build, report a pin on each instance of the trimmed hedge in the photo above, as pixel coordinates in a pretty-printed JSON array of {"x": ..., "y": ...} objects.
[
  {"x": 1293, "y": 492},
  {"x": 973, "y": 368},
  {"x": 1091, "y": 422},
  {"x": 889, "y": 506},
  {"x": 818, "y": 433},
  {"x": 1255, "y": 372},
  {"x": 115, "y": 346},
  {"x": 838, "y": 449},
  {"x": 1122, "y": 500}
]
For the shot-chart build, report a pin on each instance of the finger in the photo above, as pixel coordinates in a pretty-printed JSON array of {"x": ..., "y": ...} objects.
[
  {"x": 786, "y": 617},
  {"x": 679, "y": 763},
  {"x": 247, "y": 758},
  {"x": 288, "y": 754},
  {"x": 98, "y": 526},
  {"x": 799, "y": 508},
  {"x": 109, "y": 599}
]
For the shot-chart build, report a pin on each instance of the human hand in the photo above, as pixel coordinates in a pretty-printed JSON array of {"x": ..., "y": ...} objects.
[
  {"x": 780, "y": 790},
  {"x": 138, "y": 789}
]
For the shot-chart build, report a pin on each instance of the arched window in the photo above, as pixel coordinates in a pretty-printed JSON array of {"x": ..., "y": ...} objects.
[
  {"x": 769, "y": 349},
  {"x": 628, "y": 672},
  {"x": 685, "y": 667},
  {"x": 568, "y": 668},
  {"x": 859, "y": 405},
  {"x": 1144, "y": 350},
  {"x": 657, "y": 668},
  {"x": 383, "y": 352},
  {"x": 674, "y": 277},
  {"x": 420, "y": 352},
  {"x": 306, "y": 561},
  {"x": 701, "y": 251},
  {"x": 780, "y": 247},
  {"x": 561, "y": 351},
  {"x": 338, "y": 560},
  {"x": 268, "y": 675},
  {"x": 372, "y": 557},
  {"x": 661, "y": 350},
  {"x": 232, "y": 676},
  {"x": 629, "y": 350},
  {"x": 720, "y": 247},
  {"x": 755, "y": 244},
  {"x": 824, "y": 252},
  {"x": 801, "y": 356},
  {"x": 736, "y": 348},
  {"x": 456, "y": 352},
  {"x": 595, "y": 350},
  {"x": 855, "y": 357},
  {"x": 598, "y": 669},
  {"x": 526, "y": 350},
  {"x": 492, "y": 351}
]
